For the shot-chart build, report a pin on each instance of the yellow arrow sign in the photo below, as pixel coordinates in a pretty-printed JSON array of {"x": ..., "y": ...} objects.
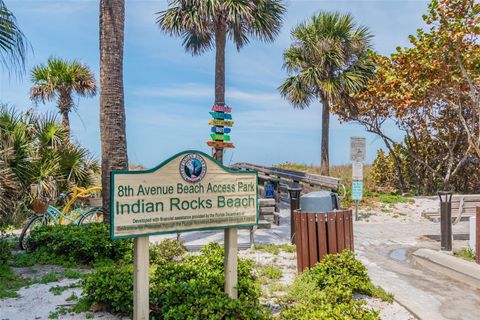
[{"x": 221, "y": 123}]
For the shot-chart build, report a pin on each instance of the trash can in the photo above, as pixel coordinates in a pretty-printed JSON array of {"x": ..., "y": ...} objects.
[
  {"x": 319, "y": 201},
  {"x": 321, "y": 228}
]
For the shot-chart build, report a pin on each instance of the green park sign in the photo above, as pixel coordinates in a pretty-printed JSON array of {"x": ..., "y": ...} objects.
[{"x": 190, "y": 191}]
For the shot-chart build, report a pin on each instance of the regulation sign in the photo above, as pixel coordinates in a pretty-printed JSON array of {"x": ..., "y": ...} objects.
[
  {"x": 357, "y": 149},
  {"x": 357, "y": 190},
  {"x": 357, "y": 170},
  {"x": 189, "y": 191}
]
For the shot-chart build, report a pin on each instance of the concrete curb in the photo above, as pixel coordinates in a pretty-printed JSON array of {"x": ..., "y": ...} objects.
[{"x": 456, "y": 268}]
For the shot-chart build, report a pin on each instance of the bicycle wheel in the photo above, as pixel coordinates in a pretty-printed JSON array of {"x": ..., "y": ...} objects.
[
  {"x": 34, "y": 222},
  {"x": 94, "y": 215}
]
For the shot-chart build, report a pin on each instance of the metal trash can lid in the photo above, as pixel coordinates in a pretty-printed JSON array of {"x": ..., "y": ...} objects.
[{"x": 318, "y": 201}]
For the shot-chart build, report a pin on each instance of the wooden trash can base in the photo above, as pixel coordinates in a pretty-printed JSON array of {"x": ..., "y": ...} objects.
[{"x": 318, "y": 234}]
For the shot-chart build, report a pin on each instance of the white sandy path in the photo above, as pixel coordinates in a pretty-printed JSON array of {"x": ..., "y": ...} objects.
[{"x": 37, "y": 302}]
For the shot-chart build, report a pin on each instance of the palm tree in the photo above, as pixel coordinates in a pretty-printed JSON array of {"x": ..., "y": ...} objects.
[
  {"x": 112, "y": 109},
  {"x": 204, "y": 24},
  {"x": 60, "y": 79},
  {"x": 328, "y": 61},
  {"x": 13, "y": 43}
]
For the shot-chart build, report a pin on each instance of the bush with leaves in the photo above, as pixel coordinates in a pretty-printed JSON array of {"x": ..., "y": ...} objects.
[
  {"x": 5, "y": 252},
  {"x": 110, "y": 285},
  {"x": 187, "y": 289},
  {"x": 84, "y": 244},
  {"x": 327, "y": 291},
  {"x": 33, "y": 148},
  {"x": 194, "y": 289},
  {"x": 167, "y": 250}
]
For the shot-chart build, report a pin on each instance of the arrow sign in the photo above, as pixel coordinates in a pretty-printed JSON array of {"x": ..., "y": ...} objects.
[
  {"x": 220, "y": 144},
  {"x": 218, "y": 115},
  {"x": 221, "y": 123},
  {"x": 221, "y": 130},
  {"x": 221, "y": 108},
  {"x": 222, "y": 137}
]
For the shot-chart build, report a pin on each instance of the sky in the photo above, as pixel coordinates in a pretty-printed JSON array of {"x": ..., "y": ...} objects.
[{"x": 169, "y": 93}]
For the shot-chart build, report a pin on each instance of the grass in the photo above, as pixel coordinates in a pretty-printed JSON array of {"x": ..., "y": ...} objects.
[
  {"x": 270, "y": 272},
  {"x": 10, "y": 282},
  {"x": 49, "y": 277},
  {"x": 39, "y": 257},
  {"x": 394, "y": 199},
  {"x": 58, "y": 290},
  {"x": 275, "y": 249},
  {"x": 466, "y": 254}
]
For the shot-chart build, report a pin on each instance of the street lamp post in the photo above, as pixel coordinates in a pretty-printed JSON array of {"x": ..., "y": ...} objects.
[
  {"x": 445, "y": 220},
  {"x": 294, "y": 193}
]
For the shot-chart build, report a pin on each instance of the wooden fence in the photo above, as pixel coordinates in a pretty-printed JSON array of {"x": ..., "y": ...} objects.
[
  {"x": 318, "y": 234},
  {"x": 290, "y": 177}
]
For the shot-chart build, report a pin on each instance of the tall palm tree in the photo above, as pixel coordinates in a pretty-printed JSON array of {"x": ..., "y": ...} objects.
[
  {"x": 13, "y": 43},
  {"x": 328, "y": 61},
  {"x": 60, "y": 79},
  {"x": 204, "y": 24},
  {"x": 112, "y": 108}
]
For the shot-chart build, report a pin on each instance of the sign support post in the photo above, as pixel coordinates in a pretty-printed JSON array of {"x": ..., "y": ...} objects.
[
  {"x": 219, "y": 114},
  {"x": 141, "y": 259},
  {"x": 357, "y": 156},
  {"x": 231, "y": 262}
]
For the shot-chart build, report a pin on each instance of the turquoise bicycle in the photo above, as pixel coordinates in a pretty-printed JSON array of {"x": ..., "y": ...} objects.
[{"x": 48, "y": 214}]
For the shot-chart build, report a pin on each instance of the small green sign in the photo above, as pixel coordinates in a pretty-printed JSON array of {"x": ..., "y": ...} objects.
[
  {"x": 357, "y": 190},
  {"x": 221, "y": 137}
]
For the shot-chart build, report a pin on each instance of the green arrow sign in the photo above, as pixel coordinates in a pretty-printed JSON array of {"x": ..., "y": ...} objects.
[{"x": 222, "y": 137}]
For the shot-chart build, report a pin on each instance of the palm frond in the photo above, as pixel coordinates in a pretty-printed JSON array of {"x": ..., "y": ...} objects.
[{"x": 14, "y": 46}]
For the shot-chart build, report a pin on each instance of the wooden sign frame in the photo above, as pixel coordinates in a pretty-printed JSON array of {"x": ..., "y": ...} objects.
[{"x": 166, "y": 162}]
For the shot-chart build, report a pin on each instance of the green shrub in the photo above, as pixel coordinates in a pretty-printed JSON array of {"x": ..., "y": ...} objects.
[
  {"x": 188, "y": 289},
  {"x": 112, "y": 286},
  {"x": 327, "y": 290},
  {"x": 166, "y": 250},
  {"x": 5, "y": 252},
  {"x": 83, "y": 244},
  {"x": 194, "y": 289}
]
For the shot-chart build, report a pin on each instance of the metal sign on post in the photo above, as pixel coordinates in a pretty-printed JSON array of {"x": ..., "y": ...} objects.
[
  {"x": 357, "y": 171},
  {"x": 357, "y": 149},
  {"x": 357, "y": 190},
  {"x": 190, "y": 191}
]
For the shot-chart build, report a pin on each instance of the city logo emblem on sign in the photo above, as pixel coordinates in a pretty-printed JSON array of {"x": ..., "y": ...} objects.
[{"x": 193, "y": 168}]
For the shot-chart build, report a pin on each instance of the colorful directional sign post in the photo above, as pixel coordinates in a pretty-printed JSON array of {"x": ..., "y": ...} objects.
[
  {"x": 357, "y": 156},
  {"x": 221, "y": 127},
  {"x": 189, "y": 191},
  {"x": 221, "y": 124}
]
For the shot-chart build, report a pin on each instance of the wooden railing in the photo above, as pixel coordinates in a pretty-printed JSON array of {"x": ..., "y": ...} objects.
[{"x": 290, "y": 177}]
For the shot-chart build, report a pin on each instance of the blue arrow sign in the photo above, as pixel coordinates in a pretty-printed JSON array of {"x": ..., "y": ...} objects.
[
  {"x": 221, "y": 130},
  {"x": 219, "y": 115}
]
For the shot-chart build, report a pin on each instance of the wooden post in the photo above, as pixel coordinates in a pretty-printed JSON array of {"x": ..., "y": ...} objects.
[
  {"x": 141, "y": 286},
  {"x": 231, "y": 262}
]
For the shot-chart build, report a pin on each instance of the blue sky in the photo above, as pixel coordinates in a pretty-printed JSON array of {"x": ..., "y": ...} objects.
[{"x": 168, "y": 93}]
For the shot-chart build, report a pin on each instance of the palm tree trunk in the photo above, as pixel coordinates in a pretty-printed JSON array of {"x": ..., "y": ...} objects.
[
  {"x": 112, "y": 109},
  {"x": 324, "y": 163},
  {"x": 220, "y": 44},
  {"x": 65, "y": 104}
]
